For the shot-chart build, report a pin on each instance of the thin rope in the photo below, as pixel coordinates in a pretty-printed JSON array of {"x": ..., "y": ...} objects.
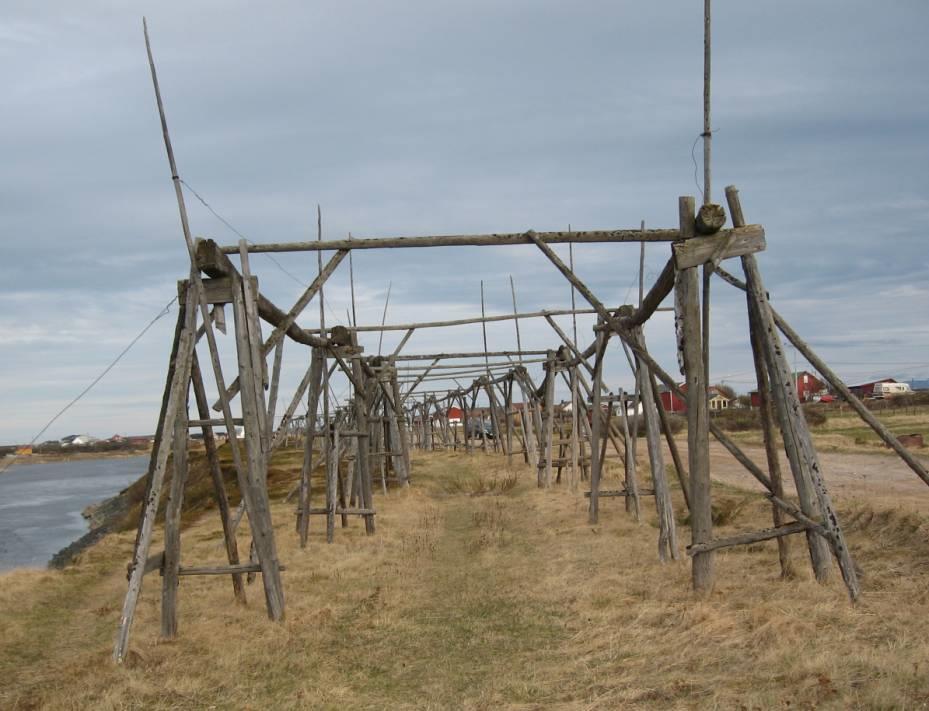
[{"x": 165, "y": 310}]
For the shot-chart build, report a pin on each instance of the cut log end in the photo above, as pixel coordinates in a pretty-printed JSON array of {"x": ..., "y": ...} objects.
[{"x": 710, "y": 219}]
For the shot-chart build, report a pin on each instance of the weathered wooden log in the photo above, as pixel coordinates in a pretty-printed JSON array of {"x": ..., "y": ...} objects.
[
  {"x": 710, "y": 219},
  {"x": 481, "y": 240},
  {"x": 798, "y": 442},
  {"x": 212, "y": 262},
  {"x": 746, "y": 538}
]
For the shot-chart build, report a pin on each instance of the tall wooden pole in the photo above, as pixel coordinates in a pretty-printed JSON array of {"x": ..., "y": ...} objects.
[
  {"x": 326, "y": 442},
  {"x": 687, "y": 324}
]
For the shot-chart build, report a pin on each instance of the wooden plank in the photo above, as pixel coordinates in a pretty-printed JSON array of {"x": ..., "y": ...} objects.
[
  {"x": 735, "y": 243},
  {"x": 218, "y": 291}
]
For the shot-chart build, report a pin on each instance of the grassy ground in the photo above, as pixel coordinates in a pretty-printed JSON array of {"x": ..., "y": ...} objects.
[
  {"x": 480, "y": 591},
  {"x": 844, "y": 431}
]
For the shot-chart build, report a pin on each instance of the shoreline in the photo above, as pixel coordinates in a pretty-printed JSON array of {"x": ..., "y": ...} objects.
[{"x": 14, "y": 460}]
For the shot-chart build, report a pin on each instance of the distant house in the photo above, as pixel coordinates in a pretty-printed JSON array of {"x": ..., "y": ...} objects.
[
  {"x": 76, "y": 440},
  {"x": 670, "y": 401},
  {"x": 454, "y": 415},
  {"x": 717, "y": 399},
  {"x": 808, "y": 387}
]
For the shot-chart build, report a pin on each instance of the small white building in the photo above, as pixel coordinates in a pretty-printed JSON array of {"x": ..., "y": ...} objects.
[
  {"x": 889, "y": 389},
  {"x": 76, "y": 440}
]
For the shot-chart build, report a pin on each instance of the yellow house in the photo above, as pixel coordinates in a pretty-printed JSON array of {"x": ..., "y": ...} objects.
[{"x": 717, "y": 400}]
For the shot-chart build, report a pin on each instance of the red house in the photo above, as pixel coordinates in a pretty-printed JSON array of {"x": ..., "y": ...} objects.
[
  {"x": 671, "y": 402},
  {"x": 808, "y": 385},
  {"x": 454, "y": 415}
]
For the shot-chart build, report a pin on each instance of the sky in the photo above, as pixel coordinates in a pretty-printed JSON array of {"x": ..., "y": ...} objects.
[{"x": 412, "y": 118}]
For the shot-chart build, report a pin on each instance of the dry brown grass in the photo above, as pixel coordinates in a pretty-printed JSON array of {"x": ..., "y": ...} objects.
[{"x": 503, "y": 600}]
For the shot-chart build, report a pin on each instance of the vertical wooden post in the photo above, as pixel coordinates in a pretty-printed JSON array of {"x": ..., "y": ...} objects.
[
  {"x": 465, "y": 418},
  {"x": 529, "y": 430},
  {"x": 172, "y": 558},
  {"x": 688, "y": 327},
  {"x": 401, "y": 424},
  {"x": 629, "y": 463},
  {"x": 508, "y": 414},
  {"x": 575, "y": 404},
  {"x": 306, "y": 471},
  {"x": 427, "y": 425},
  {"x": 596, "y": 464},
  {"x": 667, "y": 534},
  {"x": 363, "y": 469},
  {"x": 332, "y": 480},
  {"x": 494, "y": 412},
  {"x": 548, "y": 411}
]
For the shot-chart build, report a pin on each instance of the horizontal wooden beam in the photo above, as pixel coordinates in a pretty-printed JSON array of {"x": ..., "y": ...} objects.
[
  {"x": 457, "y": 366},
  {"x": 478, "y": 354},
  {"x": 466, "y": 321},
  {"x": 478, "y": 240},
  {"x": 746, "y": 538},
  {"x": 224, "y": 569}
]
